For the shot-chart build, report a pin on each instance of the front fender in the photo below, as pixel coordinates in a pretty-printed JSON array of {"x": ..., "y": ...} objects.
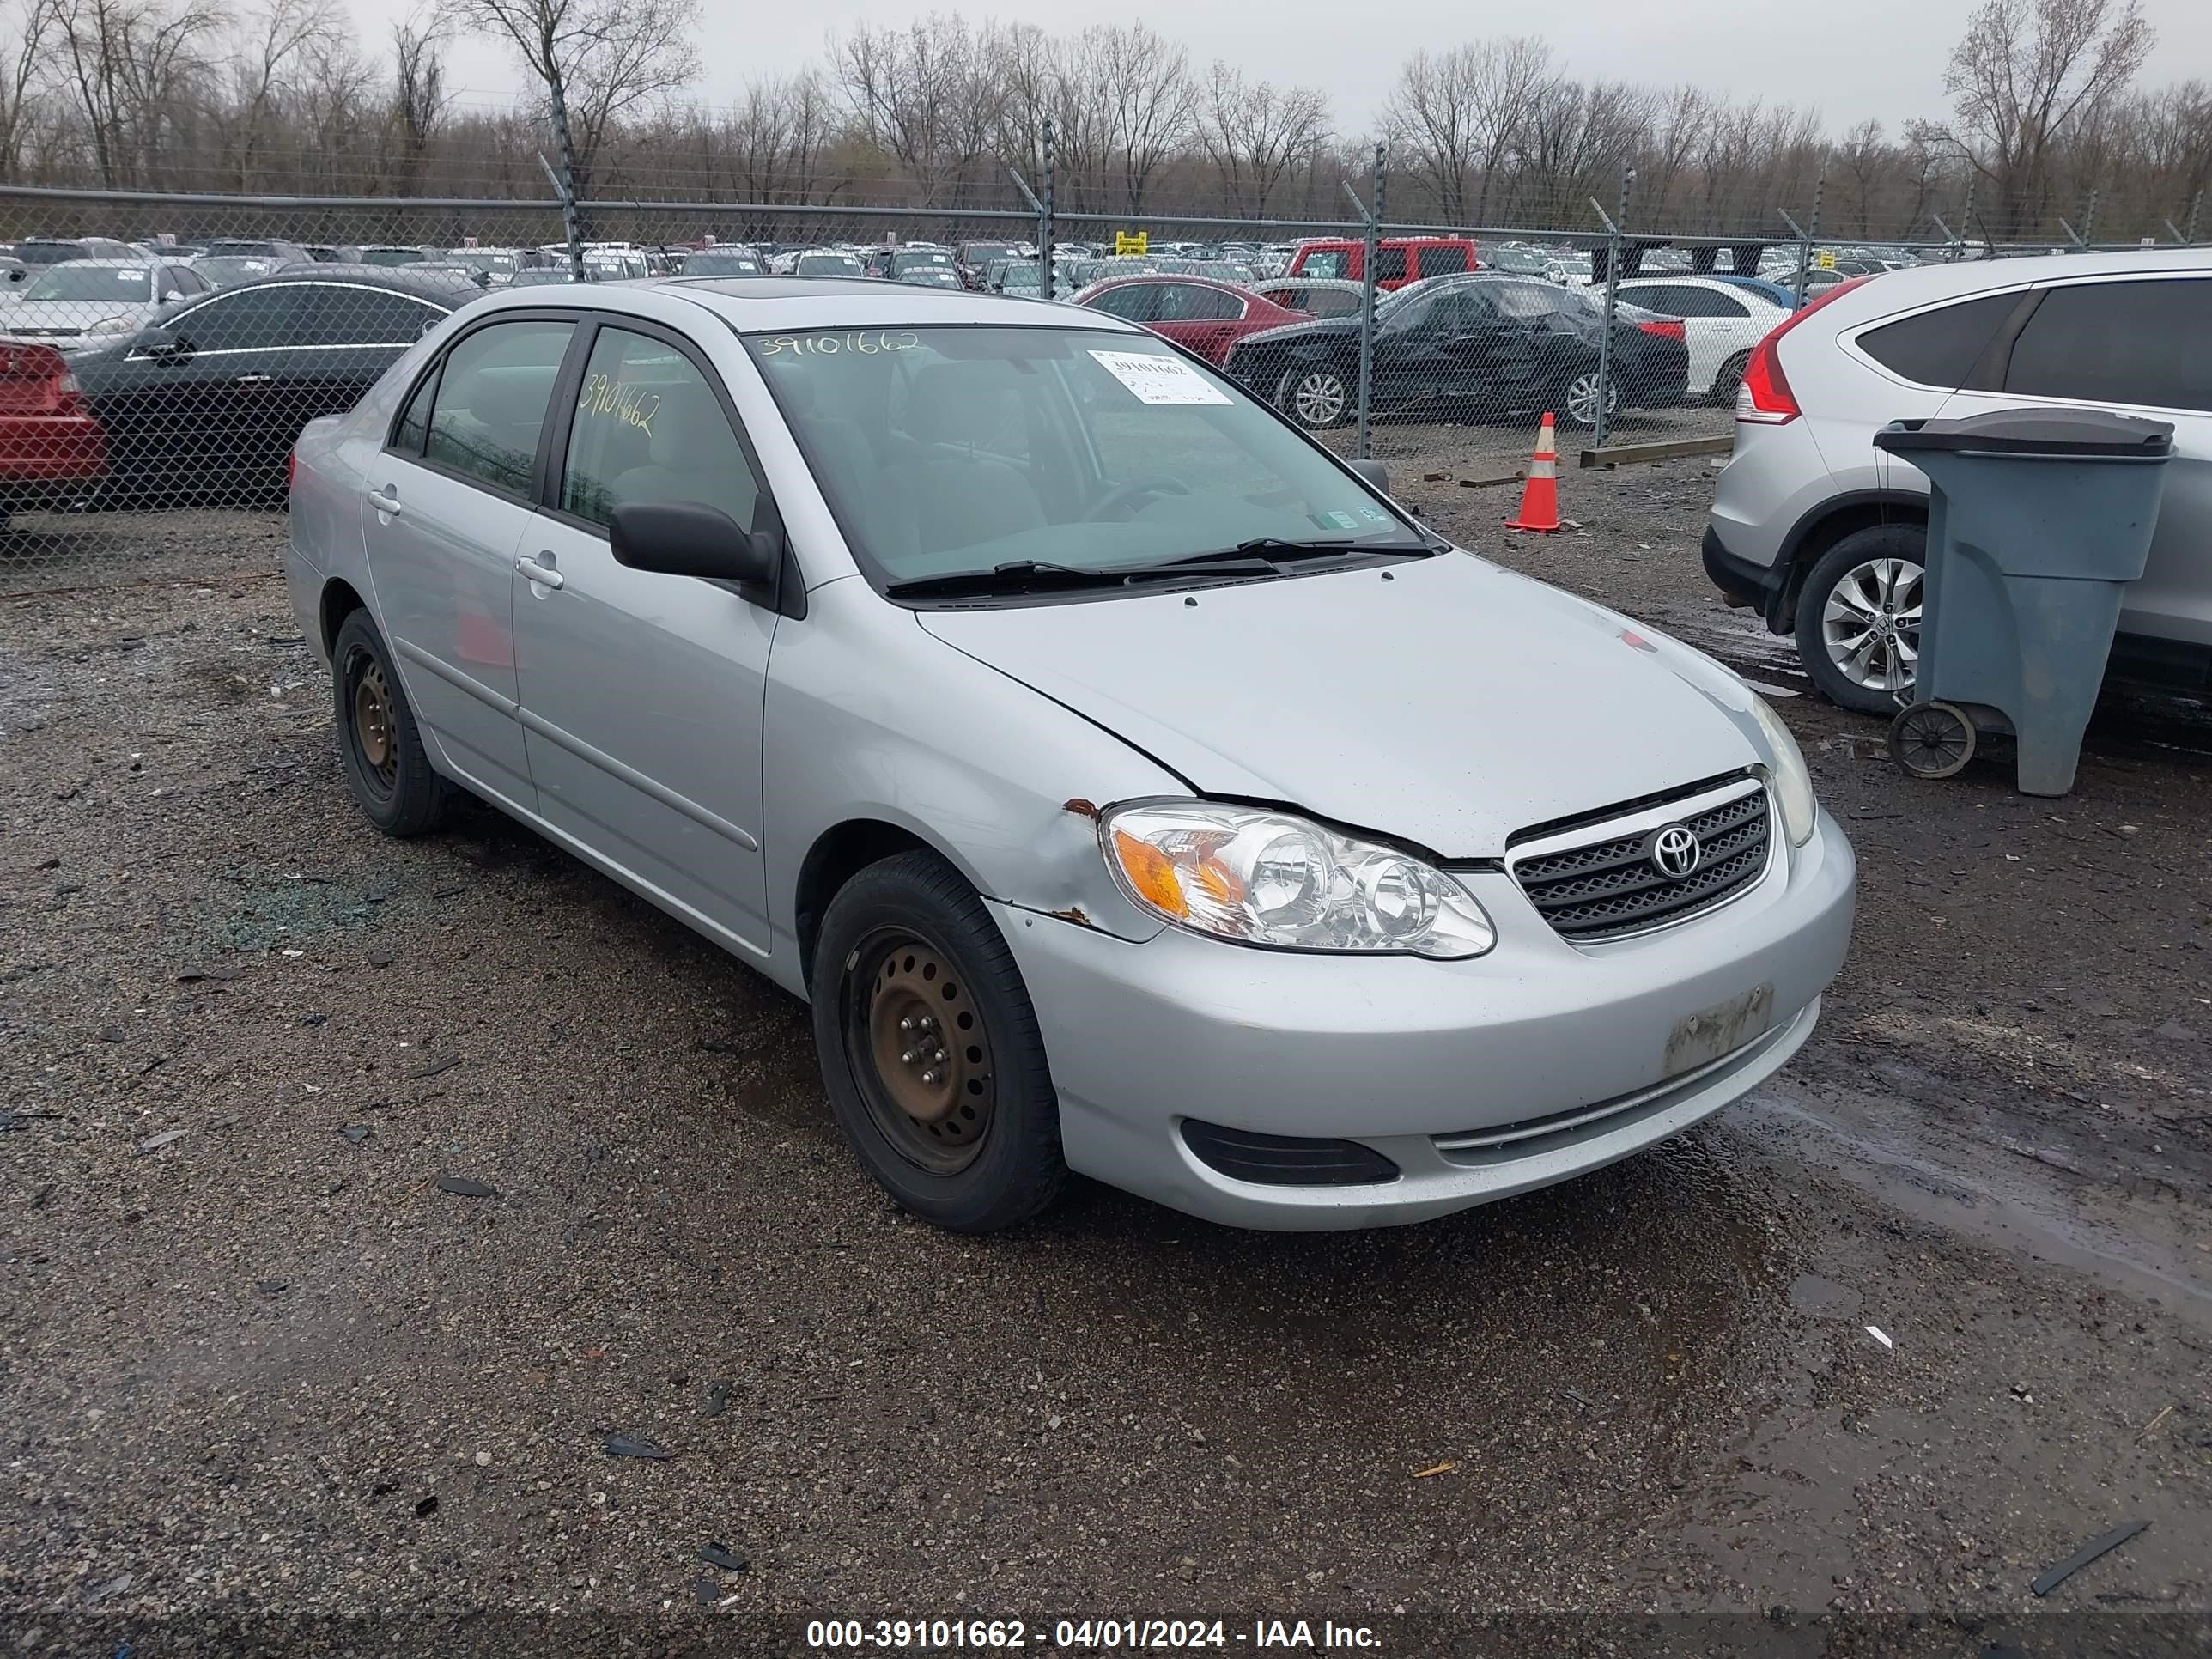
[{"x": 869, "y": 717}]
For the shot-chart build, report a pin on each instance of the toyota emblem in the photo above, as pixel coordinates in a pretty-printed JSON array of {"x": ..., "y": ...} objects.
[{"x": 1675, "y": 851}]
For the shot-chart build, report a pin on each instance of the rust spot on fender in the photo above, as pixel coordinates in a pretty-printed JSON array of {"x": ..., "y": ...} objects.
[
  {"x": 1081, "y": 808},
  {"x": 1073, "y": 913}
]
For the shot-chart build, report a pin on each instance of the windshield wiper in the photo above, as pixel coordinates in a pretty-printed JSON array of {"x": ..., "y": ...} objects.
[
  {"x": 1015, "y": 573},
  {"x": 1277, "y": 549}
]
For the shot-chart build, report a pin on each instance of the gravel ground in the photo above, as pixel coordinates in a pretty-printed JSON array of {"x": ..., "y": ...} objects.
[{"x": 255, "y": 1358}]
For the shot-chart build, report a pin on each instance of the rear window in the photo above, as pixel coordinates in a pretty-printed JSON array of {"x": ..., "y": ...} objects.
[
  {"x": 2121, "y": 342},
  {"x": 1391, "y": 265},
  {"x": 1326, "y": 262},
  {"x": 1939, "y": 347}
]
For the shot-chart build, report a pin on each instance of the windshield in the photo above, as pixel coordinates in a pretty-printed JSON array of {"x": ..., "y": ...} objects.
[
  {"x": 828, "y": 264},
  {"x": 720, "y": 264},
  {"x": 1518, "y": 260},
  {"x": 482, "y": 261},
  {"x": 124, "y": 284},
  {"x": 223, "y": 270},
  {"x": 954, "y": 451},
  {"x": 392, "y": 256}
]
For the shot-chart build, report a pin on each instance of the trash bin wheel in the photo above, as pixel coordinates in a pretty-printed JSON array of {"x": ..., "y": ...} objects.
[{"x": 1932, "y": 739}]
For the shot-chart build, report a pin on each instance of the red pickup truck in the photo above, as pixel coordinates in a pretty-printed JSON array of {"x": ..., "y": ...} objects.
[{"x": 1398, "y": 259}]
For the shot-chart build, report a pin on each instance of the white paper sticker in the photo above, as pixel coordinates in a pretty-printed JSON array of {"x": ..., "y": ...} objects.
[{"x": 1159, "y": 378}]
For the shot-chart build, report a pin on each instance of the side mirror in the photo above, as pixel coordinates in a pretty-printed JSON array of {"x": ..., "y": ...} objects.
[
  {"x": 1374, "y": 473},
  {"x": 686, "y": 538},
  {"x": 164, "y": 344}
]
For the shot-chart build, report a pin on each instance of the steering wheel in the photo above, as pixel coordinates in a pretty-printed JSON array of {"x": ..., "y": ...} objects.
[{"x": 1126, "y": 494}]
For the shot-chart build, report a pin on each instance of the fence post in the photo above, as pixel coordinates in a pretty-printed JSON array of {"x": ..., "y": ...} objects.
[
  {"x": 1374, "y": 217},
  {"x": 2189, "y": 230},
  {"x": 1044, "y": 224},
  {"x": 571, "y": 215},
  {"x": 1601, "y": 426}
]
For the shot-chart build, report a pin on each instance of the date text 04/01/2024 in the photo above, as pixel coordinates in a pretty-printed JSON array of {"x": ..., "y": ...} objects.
[{"x": 1085, "y": 1634}]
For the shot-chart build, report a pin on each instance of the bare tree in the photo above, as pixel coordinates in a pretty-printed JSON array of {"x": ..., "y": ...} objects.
[
  {"x": 419, "y": 98},
  {"x": 2026, "y": 76},
  {"x": 1461, "y": 115},
  {"x": 30, "y": 26},
  {"x": 596, "y": 60},
  {"x": 1255, "y": 133},
  {"x": 270, "y": 44},
  {"x": 1142, "y": 83},
  {"x": 925, "y": 96},
  {"x": 131, "y": 67}
]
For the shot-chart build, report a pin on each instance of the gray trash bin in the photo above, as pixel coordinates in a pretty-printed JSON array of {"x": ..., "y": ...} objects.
[{"x": 2037, "y": 520}]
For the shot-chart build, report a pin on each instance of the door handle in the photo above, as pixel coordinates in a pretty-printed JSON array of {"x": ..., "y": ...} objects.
[
  {"x": 387, "y": 504},
  {"x": 543, "y": 575},
  {"x": 250, "y": 380}
]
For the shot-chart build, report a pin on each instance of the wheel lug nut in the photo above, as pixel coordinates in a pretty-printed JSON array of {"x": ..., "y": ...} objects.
[
  {"x": 906, "y": 1024},
  {"x": 929, "y": 1076},
  {"x": 938, "y": 1055},
  {"x": 909, "y": 1056}
]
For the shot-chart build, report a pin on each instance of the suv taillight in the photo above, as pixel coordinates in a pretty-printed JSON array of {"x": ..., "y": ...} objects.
[
  {"x": 1667, "y": 328},
  {"x": 1765, "y": 398},
  {"x": 291, "y": 471}
]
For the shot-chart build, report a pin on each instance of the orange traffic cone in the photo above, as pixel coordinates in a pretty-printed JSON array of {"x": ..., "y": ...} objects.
[{"x": 1540, "y": 497}]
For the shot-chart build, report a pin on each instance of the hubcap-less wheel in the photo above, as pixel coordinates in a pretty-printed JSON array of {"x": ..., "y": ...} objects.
[
  {"x": 372, "y": 725},
  {"x": 1582, "y": 399},
  {"x": 920, "y": 1053},
  {"x": 1319, "y": 398},
  {"x": 1871, "y": 624}
]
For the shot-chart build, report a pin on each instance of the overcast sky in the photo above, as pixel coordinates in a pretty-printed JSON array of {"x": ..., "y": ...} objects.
[{"x": 1854, "y": 59}]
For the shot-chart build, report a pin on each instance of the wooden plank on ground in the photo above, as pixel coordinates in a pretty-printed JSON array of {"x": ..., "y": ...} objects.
[
  {"x": 1614, "y": 455},
  {"x": 1492, "y": 480}
]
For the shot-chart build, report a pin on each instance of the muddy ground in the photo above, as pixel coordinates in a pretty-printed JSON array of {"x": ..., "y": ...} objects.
[{"x": 252, "y": 1357}]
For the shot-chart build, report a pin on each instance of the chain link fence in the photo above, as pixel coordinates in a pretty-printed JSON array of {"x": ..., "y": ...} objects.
[{"x": 160, "y": 351}]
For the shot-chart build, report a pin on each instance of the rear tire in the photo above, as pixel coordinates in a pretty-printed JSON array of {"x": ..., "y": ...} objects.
[
  {"x": 386, "y": 767},
  {"x": 1858, "y": 617},
  {"x": 1728, "y": 377},
  {"x": 930, "y": 1049}
]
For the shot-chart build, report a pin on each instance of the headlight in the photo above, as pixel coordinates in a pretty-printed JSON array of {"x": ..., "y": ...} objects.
[
  {"x": 1793, "y": 784},
  {"x": 1269, "y": 878},
  {"x": 112, "y": 326}
]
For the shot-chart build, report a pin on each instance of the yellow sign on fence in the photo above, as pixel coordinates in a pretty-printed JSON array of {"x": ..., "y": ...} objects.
[
  {"x": 1825, "y": 259},
  {"x": 1132, "y": 241}
]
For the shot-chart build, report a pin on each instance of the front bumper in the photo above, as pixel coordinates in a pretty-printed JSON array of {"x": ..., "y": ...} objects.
[{"x": 1400, "y": 1053}]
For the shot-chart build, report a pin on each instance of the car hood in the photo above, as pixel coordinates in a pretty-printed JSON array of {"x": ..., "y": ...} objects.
[
  {"x": 69, "y": 313},
  {"x": 1448, "y": 706}
]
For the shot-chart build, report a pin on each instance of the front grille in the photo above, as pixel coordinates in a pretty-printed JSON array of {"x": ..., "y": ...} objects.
[{"x": 1606, "y": 888}]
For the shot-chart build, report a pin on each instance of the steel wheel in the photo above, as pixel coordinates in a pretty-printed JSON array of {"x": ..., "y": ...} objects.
[
  {"x": 1319, "y": 396},
  {"x": 1932, "y": 739},
  {"x": 372, "y": 729},
  {"x": 1582, "y": 399},
  {"x": 920, "y": 1051},
  {"x": 1871, "y": 624}
]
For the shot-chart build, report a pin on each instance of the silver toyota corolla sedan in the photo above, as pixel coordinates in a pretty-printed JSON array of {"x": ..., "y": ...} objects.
[{"x": 1130, "y": 787}]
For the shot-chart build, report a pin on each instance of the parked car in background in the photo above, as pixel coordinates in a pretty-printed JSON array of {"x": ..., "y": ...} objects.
[
  {"x": 389, "y": 254},
  {"x": 1817, "y": 281},
  {"x": 1314, "y": 296},
  {"x": 82, "y": 303},
  {"x": 1197, "y": 313},
  {"x": 1021, "y": 764},
  {"x": 499, "y": 265},
  {"x": 1786, "y": 298},
  {"x": 1825, "y": 536},
  {"x": 923, "y": 267},
  {"x": 37, "y": 250},
  {"x": 273, "y": 251},
  {"x": 1398, "y": 259},
  {"x": 203, "y": 404},
  {"x": 819, "y": 261},
  {"x": 52, "y": 452},
  {"x": 724, "y": 261},
  {"x": 1020, "y": 278},
  {"x": 1478, "y": 347},
  {"x": 1517, "y": 259},
  {"x": 1721, "y": 322},
  {"x": 14, "y": 273},
  {"x": 977, "y": 259}
]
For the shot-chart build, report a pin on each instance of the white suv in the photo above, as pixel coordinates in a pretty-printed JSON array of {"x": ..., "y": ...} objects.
[{"x": 1825, "y": 535}]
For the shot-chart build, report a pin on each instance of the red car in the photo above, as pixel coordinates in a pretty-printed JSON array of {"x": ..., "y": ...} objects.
[
  {"x": 51, "y": 449},
  {"x": 1197, "y": 313},
  {"x": 1398, "y": 259}
]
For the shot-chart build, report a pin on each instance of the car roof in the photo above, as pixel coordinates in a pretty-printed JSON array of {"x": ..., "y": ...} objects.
[
  {"x": 356, "y": 276},
  {"x": 766, "y": 305},
  {"x": 1918, "y": 285},
  {"x": 146, "y": 263}
]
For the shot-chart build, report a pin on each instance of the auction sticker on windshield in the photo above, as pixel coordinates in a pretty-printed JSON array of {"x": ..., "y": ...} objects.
[{"x": 1158, "y": 379}]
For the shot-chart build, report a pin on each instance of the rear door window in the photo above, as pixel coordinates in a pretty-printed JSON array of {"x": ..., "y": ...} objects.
[
  {"x": 1391, "y": 265},
  {"x": 491, "y": 400},
  {"x": 1437, "y": 261},
  {"x": 342, "y": 314},
  {"x": 1939, "y": 347},
  {"x": 2119, "y": 343}
]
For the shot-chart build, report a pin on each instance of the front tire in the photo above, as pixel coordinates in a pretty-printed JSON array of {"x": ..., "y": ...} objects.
[
  {"x": 386, "y": 767},
  {"x": 930, "y": 1049},
  {"x": 1858, "y": 617},
  {"x": 1579, "y": 400},
  {"x": 1318, "y": 400}
]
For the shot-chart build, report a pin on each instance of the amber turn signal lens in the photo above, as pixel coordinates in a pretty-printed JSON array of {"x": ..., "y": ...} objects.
[{"x": 1151, "y": 873}]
